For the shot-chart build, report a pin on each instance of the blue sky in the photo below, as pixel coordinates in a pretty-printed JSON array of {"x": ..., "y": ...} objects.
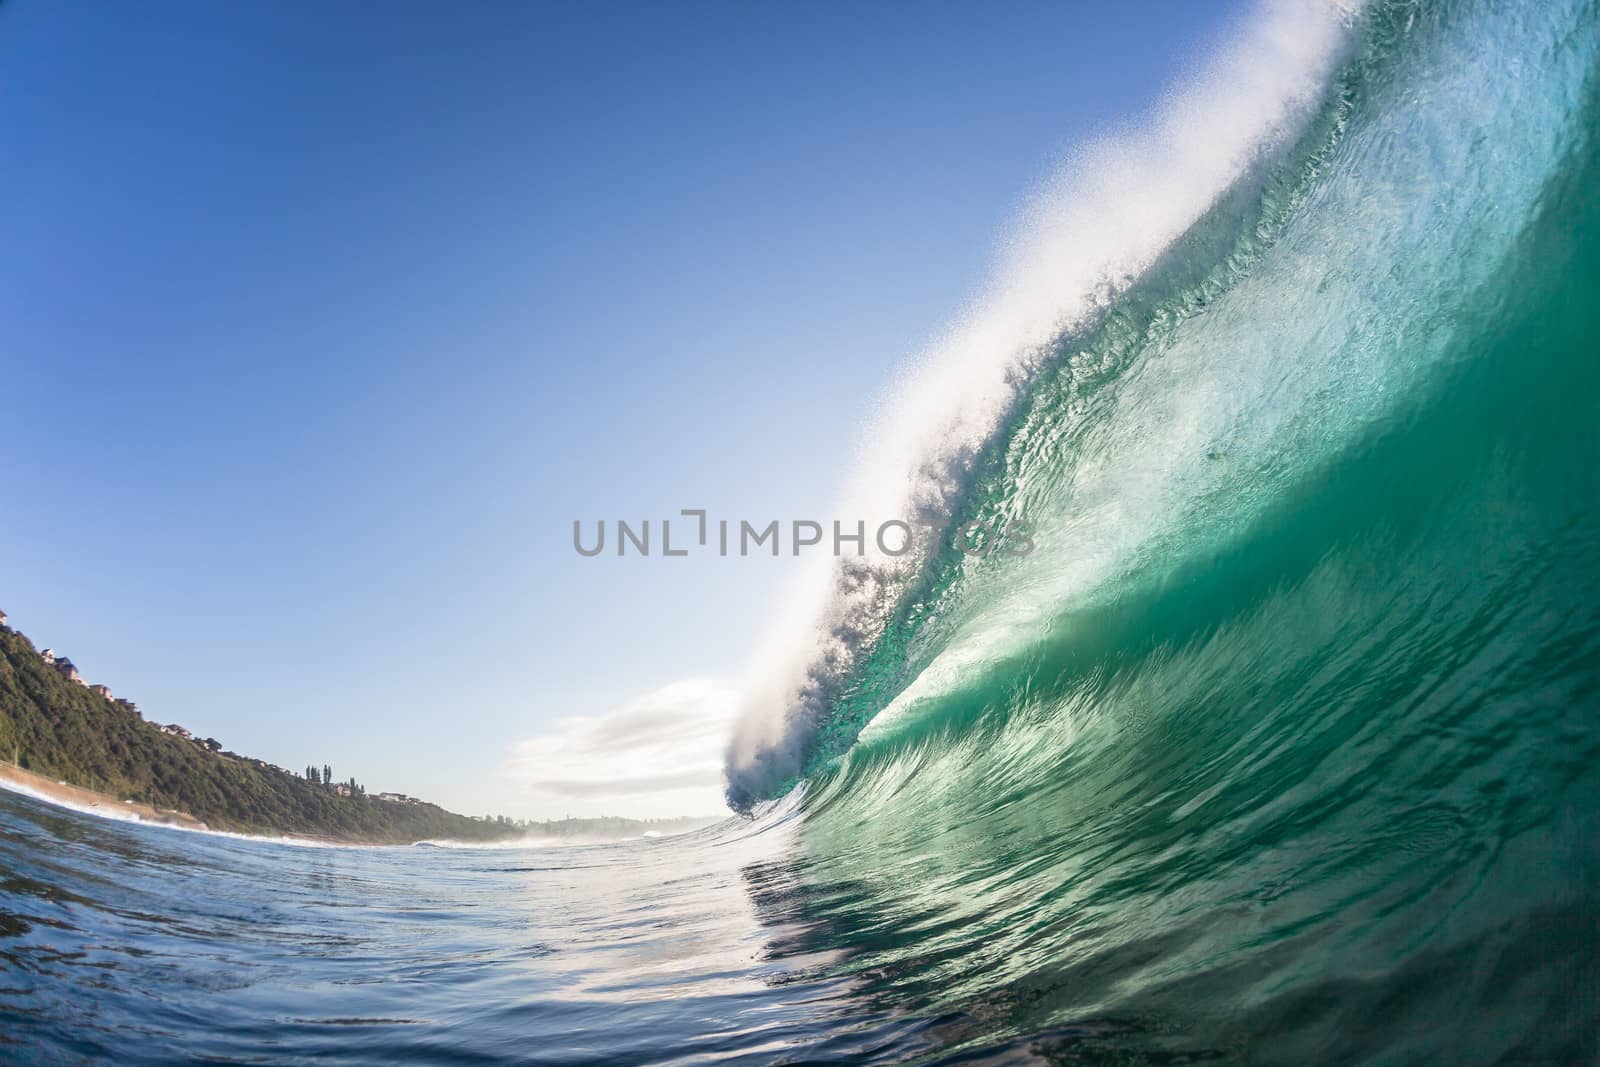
[{"x": 320, "y": 323}]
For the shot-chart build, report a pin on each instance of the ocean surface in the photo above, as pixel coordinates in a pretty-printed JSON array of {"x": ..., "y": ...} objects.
[{"x": 1282, "y": 746}]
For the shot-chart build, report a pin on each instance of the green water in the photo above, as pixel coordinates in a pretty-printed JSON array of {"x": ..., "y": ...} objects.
[{"x": 1285, "y": 744}]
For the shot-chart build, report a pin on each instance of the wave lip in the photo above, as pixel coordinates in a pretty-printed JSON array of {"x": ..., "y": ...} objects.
[{"x": 1094, "y": 229}]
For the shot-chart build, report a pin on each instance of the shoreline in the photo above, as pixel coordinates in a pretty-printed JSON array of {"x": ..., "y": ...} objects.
[
  {"x": 105, "y": 806},
  {"x": 84, "y": 801},
  {"x": 91, "y": 802}
]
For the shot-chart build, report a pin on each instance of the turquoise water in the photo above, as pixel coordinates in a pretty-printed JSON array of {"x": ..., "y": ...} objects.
[{"x": 1282, "y": 747}]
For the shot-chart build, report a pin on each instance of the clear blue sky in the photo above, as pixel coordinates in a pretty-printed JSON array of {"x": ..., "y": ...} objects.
[{"x": 321, "y": 322}]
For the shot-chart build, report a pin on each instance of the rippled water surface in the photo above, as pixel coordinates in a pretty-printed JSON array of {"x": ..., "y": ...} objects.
[{"x": 129, "y": 943}]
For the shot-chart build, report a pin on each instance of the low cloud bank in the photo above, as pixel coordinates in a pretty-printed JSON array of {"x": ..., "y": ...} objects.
[{"x": 658, "y": 755}]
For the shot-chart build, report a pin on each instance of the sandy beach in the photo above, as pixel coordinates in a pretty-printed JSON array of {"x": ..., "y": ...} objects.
[{"x": 59, "y": 792}]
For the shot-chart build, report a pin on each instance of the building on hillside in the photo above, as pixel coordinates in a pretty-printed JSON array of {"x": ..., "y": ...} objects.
[
  {"x": 68, "y": 670},
  {"x": 49, "y": 656},
  {"x": 342, "y": 788},
  {"x": 398, "y": 798},
  {"x": 102, "y": 690},
  {"x": 175, "y": 730},
  {"x": 212, "y": 744},
  {"x": 2, "y": 619},
  {"x": 129, "y": 706}
]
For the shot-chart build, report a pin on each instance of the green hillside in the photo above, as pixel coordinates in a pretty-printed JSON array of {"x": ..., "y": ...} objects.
[{"x": 61, "y": 729}]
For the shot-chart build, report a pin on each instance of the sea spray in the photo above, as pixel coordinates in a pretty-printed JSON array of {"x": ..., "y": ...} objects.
[{"x": 1103, "y": 222}]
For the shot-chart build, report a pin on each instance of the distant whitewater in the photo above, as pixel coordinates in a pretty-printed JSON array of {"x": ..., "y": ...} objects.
[{"x": 1283, "y": 746}]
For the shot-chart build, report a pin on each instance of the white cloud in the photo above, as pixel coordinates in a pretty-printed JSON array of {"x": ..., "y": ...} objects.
[{"x": 658, "y": 755}]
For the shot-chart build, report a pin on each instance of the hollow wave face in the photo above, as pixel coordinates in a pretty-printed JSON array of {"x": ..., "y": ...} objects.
[
  {"x": 1284, "y": 742},
  {"x": 1107, "y": 219},
  {"x": 1204, "y": 316}
]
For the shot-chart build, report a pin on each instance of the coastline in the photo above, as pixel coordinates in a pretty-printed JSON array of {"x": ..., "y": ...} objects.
[
  {"x": 105, "y": 806},
  {"x": 91, "y": 802},
  {"x": 87, "y": 735}
]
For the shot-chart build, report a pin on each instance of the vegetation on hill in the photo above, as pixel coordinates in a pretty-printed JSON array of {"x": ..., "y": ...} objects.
[{"x": 59, "y": 728}]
